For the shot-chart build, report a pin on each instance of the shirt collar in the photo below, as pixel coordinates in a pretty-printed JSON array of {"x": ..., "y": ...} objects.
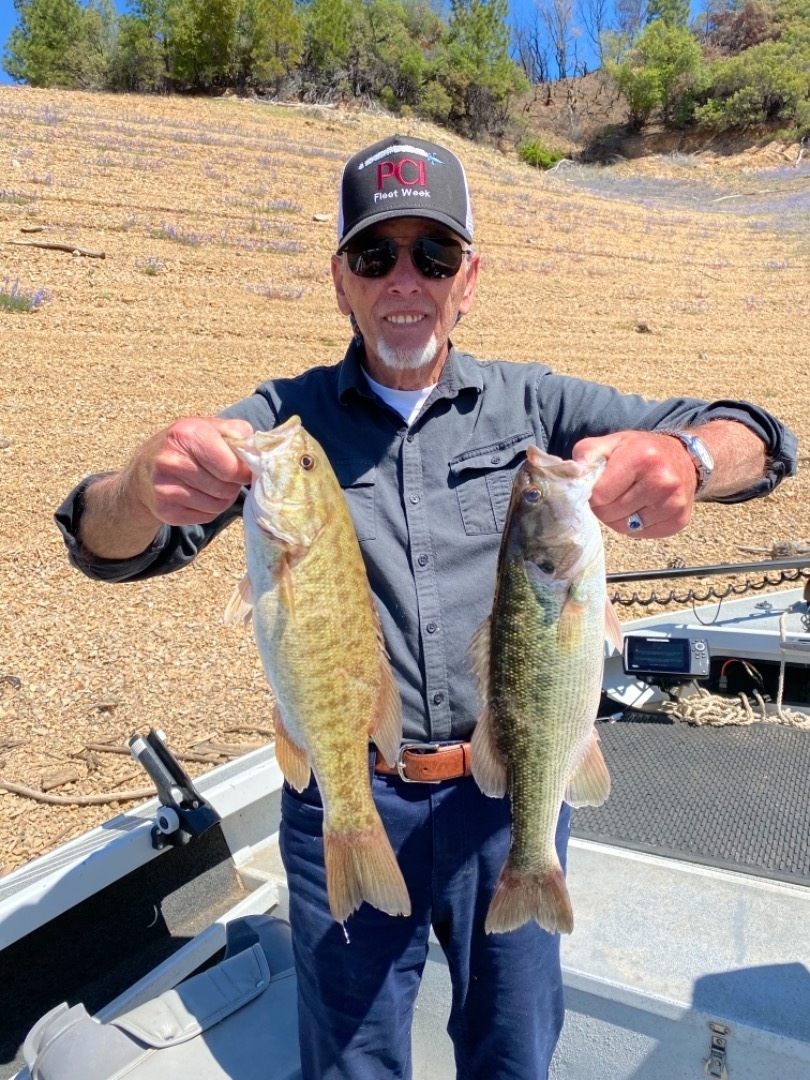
[
  {"x": 350, "y": 375},
  {"x": 460, "y": 372}
]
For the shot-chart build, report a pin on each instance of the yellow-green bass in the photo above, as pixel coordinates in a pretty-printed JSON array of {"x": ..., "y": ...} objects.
[{"x": 321, "y": 646}]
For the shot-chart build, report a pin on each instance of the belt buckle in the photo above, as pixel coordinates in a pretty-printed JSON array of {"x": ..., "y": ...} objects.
[{"x": 425, "y": 748}]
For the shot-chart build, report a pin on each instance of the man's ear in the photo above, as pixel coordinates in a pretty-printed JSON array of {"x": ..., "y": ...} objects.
[
  {"x": 469, "y": 288},
  {"x": 338, "y": 269}
]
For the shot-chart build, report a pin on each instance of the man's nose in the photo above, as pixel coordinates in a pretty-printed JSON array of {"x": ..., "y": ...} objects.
[{"x": 404, "y": 277}]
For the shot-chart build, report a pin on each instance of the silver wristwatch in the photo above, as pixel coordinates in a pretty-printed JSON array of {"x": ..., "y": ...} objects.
[{"x": 699, "y": 453}]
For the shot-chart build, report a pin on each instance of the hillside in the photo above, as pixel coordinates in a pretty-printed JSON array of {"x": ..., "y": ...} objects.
[
  {"x": 573, "y": 116},
  {"x": 667, "y": 275}
]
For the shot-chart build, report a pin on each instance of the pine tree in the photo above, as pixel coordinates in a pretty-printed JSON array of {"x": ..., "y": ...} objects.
[
  {"x": 52, "y": 45},
  {"x": 270, "y": 39},
  {"x": 479, "y": 74},
  {"x": 673, "y": 13}
]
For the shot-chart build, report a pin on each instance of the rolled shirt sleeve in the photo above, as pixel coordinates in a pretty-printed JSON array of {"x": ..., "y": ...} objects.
[{"x": 575, "y": 409}]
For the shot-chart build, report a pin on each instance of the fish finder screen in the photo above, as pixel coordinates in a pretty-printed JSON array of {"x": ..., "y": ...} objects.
[{"x": 666, "y": 656}]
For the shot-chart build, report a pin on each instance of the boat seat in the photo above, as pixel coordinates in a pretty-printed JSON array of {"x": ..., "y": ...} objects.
[{"x": 237, "y": 1020}]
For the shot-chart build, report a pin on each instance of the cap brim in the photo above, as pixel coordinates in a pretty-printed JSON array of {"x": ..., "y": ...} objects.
[{"x": 387, "y": 215}]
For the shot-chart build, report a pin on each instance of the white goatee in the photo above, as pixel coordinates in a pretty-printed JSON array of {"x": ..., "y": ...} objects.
[{"x": 407, "y": 359}]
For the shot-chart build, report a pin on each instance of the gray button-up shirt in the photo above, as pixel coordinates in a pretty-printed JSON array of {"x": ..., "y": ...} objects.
[{"x": 429, "y": 501}]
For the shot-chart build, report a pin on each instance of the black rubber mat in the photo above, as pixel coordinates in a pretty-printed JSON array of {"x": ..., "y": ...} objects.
[{"x": 731, "y": 797}]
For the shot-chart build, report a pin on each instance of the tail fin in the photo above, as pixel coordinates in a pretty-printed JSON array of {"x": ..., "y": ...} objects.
[
  {"x": 361, "y": 865},
  {"x": 521, "y": 897}
]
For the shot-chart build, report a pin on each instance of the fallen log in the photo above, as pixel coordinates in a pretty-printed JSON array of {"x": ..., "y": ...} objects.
[
  {"x": 55, "y": 245},
  {"x": 75, "y": 800},
  {"x": 188, "y": 755}
]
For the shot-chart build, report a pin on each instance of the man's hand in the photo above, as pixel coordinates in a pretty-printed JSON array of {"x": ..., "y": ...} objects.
[
  {"x": 653, "y": 476},
  {"x": 185, "y": 475},
  {"x": 646, "y": 474}
]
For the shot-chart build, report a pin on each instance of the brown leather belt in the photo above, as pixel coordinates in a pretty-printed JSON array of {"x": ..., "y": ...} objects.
[{"x": 428, "y": 763}]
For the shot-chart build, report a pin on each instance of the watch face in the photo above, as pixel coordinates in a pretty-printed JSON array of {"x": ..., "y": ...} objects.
[{"x": 701, "y": 452}]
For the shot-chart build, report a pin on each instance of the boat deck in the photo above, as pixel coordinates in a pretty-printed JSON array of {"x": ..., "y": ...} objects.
[{"x": 731, "y": 797}]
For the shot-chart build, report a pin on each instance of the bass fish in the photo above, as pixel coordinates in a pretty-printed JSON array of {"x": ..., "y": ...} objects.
[
  {"x": 319, "y": 637},
  {"x": 538, "y": 658}
]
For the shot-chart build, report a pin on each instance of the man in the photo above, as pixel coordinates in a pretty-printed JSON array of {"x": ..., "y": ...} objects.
[{"x": 425, "y": 441}]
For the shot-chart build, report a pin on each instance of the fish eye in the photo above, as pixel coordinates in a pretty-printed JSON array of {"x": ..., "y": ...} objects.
[
  {"x": 531, "y": 495},
  {"x": 547, "y": 567},
  {"x": 307, "y": 462}
]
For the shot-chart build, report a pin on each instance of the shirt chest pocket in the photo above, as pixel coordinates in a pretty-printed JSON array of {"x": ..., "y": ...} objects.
[
  {"x": 483, "y": 482},
  {"x": 357, "y": 478}
]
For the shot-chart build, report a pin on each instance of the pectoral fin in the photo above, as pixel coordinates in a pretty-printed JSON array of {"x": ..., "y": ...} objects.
[
  {"x": 239, "y": 608},
  {"x": 488, "y": 767},
  {"x": 571, "y": 624},
  {"x": 283, "y": 579},
  {"x": 613, "y": 628},
  {"x": 590, "y": 783},
  {"x": 386, "y": 731},
  {"x": 292, "y": 759}
]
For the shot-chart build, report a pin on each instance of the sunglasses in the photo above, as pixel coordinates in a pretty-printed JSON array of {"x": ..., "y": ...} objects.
[{"x": 433, "y": 256}]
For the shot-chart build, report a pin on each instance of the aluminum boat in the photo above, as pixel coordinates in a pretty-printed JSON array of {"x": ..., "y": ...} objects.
[{"x": 690, "y": 955}]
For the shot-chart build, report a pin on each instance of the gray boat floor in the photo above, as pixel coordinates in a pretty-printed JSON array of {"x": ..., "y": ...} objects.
[{"x": 732, "y": 797}]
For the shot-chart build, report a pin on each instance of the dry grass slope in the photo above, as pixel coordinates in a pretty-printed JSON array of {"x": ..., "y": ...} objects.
[{"x": 216, "y": 276}]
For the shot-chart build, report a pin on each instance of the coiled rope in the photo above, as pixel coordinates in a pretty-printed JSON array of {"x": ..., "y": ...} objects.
[{"x": 704, "y": 707}]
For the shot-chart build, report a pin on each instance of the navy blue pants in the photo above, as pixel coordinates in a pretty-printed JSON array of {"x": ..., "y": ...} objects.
[{"x": 357, "y": 984}]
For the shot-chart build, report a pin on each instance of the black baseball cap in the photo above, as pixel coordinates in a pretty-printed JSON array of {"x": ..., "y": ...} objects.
[{"x": 403, "y": 177}]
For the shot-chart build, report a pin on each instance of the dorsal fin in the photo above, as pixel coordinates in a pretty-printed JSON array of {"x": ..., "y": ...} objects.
[{"x": 386, "y": 730}]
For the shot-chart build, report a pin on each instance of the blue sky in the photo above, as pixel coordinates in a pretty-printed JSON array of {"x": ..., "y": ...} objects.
[
  {"x": 8, "y": 17},
  {"x": 521, "y": 8}
]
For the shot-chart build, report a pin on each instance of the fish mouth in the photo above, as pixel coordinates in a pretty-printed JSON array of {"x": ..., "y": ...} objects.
[
  {"x": 263, "y": 442},
  {"x": 558, "y": 523},
  {"x": 563, "y": 469}
]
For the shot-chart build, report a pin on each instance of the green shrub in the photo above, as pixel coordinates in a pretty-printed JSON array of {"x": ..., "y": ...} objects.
[
  {"x": 660, "y": 71},
  {"x": 767, "y": 83},
  {"x": 435, "y": 103},
  {"x": 535, "y": 154}
]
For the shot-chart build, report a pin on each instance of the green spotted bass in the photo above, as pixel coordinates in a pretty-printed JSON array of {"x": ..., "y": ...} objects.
[
  {"x": 539, "y": 658},
  {"x": 318, "y": 634}
]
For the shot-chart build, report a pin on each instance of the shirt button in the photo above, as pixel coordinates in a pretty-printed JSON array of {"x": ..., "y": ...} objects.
[
  {"x": 438, "y": 698},
  {"x": 413, "y": 498},
  {"x": 495, "y": 461},
  {"x": 422, "y": 560},
  {"x": 409, "y": 437},
  {"x": 432, "y": 627}
]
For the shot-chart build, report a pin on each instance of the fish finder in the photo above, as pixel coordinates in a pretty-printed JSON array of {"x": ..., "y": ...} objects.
[{"x": 658, "y": 658}]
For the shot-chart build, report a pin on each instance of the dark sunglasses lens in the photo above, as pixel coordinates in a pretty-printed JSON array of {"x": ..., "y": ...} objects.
[
  {"x": 372, "y": 260},
  {"x": 437, "y": 258}
]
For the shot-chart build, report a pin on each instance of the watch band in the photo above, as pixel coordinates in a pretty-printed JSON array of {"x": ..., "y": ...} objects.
[{"x": 698, "y": 452}]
